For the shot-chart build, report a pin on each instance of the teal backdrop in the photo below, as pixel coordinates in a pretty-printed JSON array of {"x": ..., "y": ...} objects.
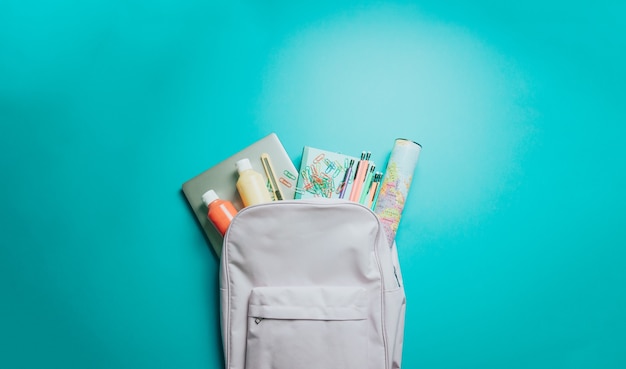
[{"x": 513, "y": 239}]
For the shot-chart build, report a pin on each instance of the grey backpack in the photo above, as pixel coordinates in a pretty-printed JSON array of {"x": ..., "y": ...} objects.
[{"x": 310, "y": 284}]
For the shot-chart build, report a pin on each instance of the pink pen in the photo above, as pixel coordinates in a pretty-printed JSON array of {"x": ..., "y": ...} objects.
[{"x": 361, "y": 170}]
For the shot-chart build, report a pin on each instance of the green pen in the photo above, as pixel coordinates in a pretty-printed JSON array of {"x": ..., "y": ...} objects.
[
  {"x": 367, "y": 183},
  {"x": 378, "y": 178}
]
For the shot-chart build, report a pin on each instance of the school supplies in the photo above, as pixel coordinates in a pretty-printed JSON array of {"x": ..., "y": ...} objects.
[
  {"x": 323, "y": 174},
  {"x": 222, "y": 178},
  {"x": 299, "y": 291},
  {"x": 396, "y": 184}
]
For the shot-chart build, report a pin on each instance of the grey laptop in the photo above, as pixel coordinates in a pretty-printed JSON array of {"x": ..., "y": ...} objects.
[{"x": 222, "y": 178}]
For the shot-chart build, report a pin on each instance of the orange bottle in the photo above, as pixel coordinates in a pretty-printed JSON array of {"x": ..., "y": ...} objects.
[{"x": 220, "y": 213}]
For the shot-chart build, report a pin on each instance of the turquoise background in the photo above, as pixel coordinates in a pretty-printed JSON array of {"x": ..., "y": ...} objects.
[{"x": 512, "y": 240}]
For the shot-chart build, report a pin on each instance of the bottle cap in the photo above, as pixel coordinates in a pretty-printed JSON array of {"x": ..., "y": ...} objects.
[
  {"x": 243, "y": 164},
  {"x": 209, "y": 196}
]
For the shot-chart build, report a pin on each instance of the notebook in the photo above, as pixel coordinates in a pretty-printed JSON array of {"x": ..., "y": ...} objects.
[
  {"x": 222, "y": 178},
  {"x": 322, "y": 173}
]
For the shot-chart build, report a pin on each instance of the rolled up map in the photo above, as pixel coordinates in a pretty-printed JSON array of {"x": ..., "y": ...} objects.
[{"x": 396, "y": 184}]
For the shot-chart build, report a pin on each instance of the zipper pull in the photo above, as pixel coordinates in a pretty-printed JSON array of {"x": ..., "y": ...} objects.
[
  {"x": 258, "y": 320},
  {"x": 395, "y": 273}
]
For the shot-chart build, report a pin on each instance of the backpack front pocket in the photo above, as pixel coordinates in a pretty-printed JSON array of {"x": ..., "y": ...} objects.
[{"x": 307, "y": 328}]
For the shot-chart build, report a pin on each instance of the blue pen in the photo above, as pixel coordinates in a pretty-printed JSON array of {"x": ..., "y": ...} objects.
[{"x": 346, "y": 178}]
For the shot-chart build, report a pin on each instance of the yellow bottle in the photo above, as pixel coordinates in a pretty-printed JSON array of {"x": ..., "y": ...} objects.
[{"x": 251, "y": 185}]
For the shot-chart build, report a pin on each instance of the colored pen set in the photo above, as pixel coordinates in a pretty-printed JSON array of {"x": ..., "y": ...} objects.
[{"x": 365, "y": 182}]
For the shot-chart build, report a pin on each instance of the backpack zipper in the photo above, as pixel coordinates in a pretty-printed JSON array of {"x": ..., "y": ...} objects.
[{"x": 395, "y": 273}]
